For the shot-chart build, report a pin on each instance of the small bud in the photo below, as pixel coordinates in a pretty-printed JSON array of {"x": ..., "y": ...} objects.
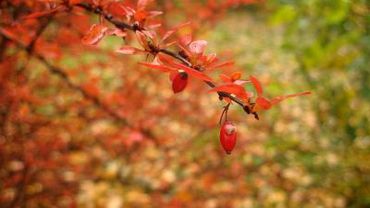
[{"x": 228, "y": 136}]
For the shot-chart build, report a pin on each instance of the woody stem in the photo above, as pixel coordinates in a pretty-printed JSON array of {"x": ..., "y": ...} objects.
[{"x": 125, "y": 26}]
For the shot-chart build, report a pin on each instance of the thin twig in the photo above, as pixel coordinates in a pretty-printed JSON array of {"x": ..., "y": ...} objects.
[
  {"x": 97, "y": 102},
  {"x": 124, "y": 26}
]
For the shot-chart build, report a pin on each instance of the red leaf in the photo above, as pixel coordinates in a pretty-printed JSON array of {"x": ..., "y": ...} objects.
[
  {"x": 181, "y": 25},
  {"x": 129, "y": 50},
  {"x": 156, "y": 66},
  {"x": 211, "y": 58},
  {"x": 154, "y": 13},
  {"x": 185, "y": 40},
  {"x": 153, "y": 26},
  {"x": 167, "y": 34},
  {"x": 298, "y": 94},
  {"x": 257, "y": 85},
  {"x": 142, "y": 38},
  {"x": 232, "y": 88},
  {"x": 193, "y": 72},
  {"x": 173, "y": 30},
  {"x": 236, "y": 76},
  {"x": 170, "y": 44},
  {"x": 9, "y": 33},
  {"x": 91, "y": 88},
  {"x": 262, "y": 103},
  {"x": 165, "y": 59},
  {"x": 281, "y": 98},
  {"x": 71, "y": 2},
  {"x": 42, "y": 14},
  {"x": 225, "y": 78},
  {"x": 95, "y": 34},
  {"x": 141, "y": 4},
  {"x": 241, "y": 82},
  {"x": 140, "y": 15},
  {"x": 116, "y": 32},
  {"x": 116, "y": 9},
  {"x": 223, "y": 64}
]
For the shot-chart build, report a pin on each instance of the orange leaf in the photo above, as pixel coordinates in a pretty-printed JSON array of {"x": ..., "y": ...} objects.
[
  {"x": 91, "y": 88},
  {"x": 231, "y": 88},
  {"x": 154, "y": 13},
  {"x": 116, "y": 32},
  {"x": 262, "y": 103},
  {"x": 298, "y": 94},
  {"x": 159, "y": 67},
  {"x": 165, "y": 59},
  {"x": 141, "y": 4},
  {"x": 173, "y": 30},
  {"x": 95, "y": 34},
  {"x": 71, "y": 2},
  {"x": 241, "y": 82},
  {"x": 140, "y": 15},
  {"x": 167, "y": 35},
  {"x": 211, "y": 58},
  {"x": 116, "y": 9},
  {"x": 281, "y": 98},
  {"x": 257, "y": 85},
  {"x": 185, "y": 39},
  {"x": 236, "y": 76},
  {"x": 223, "y": 64},
  {"x": 142, "y": 38},
  {"x": 9, "y": 33},
  {"x": 41, "y": 14},
  {"x": 193, "y": 72},
  {"x": 182, "y": 25},
  {"x": 129, "y": 50},
  {"x": 225, "y": 78},
  {"x": 170, "y": 44}
]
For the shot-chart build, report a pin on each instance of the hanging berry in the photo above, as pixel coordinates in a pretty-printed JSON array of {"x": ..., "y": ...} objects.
[
  {"x": 179, "y": 82},
  {"x": 228, "y": 136}
]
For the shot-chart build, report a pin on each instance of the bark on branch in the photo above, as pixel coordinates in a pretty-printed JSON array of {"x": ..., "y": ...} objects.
[{"x": 124, "y": 26}]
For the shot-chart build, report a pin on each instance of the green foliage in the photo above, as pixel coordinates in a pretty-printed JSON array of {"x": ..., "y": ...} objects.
[
  {"x": 321, "y": 145},
  {"x": 330, "y": 40}
]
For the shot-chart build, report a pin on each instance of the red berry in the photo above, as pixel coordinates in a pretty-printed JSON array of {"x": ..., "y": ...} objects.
[
  {"x": 179, "y": 82},
  {"x": 228, "y": 136}
]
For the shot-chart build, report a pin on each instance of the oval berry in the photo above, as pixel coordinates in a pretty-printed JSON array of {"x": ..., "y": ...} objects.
[
  {"x": 179, "y": 82},
  {"x": 228, "y": 136}
]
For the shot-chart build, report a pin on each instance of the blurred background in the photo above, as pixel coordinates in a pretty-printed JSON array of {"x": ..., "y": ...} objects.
[{"x": 58, "y": 149}]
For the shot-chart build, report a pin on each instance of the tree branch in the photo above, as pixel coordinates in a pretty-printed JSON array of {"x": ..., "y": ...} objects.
[
  {"x": 124, "y": 26},
  {"x": 61, "y": 74}
]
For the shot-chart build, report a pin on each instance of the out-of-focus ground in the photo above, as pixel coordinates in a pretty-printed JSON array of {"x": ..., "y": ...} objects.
[{"x": 307, "y": 152}]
